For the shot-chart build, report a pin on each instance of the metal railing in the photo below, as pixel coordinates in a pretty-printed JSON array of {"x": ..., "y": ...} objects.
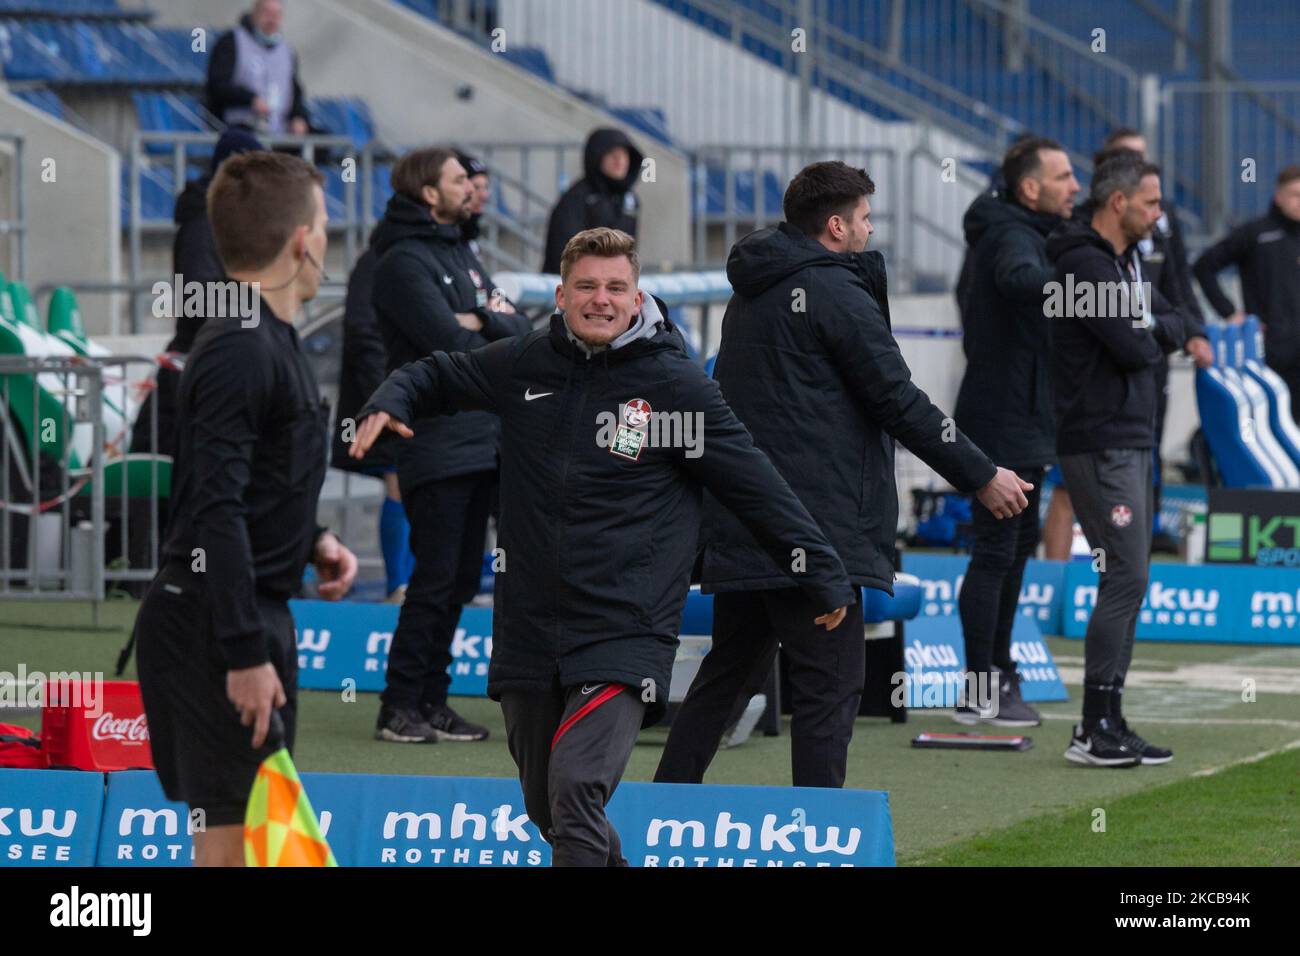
[
  {"x": 15, "y": 222},
  {"x": 182, "y": 148},
  {"x": 65, "y": 475}
]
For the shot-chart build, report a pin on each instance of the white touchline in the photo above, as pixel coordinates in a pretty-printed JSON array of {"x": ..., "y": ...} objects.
[{"x": 1253, "y": 758}]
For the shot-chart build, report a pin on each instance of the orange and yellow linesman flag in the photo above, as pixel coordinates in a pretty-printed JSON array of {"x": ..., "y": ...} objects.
[{"x": 280, "y": 828}]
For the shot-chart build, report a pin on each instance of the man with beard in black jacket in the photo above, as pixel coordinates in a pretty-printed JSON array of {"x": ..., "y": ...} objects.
[
  {"x": 610, "y": 433},
  {"x": 1005, "y": 405},
  {"x": 1266, "y": 251},
  {"x": 1165, "y": 266},
  {"x": 811, "y": 367},
  {"x": 431, "y": 294},
  {"x": 1110, "y": 334},
  {"x": 603, "y": 197}
]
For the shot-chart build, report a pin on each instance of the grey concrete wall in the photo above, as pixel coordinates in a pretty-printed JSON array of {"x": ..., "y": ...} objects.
[
  {"x": 409, "y": 70},
  {"x": 73, "y": 222}
]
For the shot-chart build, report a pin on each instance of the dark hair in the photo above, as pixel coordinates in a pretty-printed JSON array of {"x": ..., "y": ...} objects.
[
  {"x": 1110, "y": 152},
  {"x": 1120, "y": 132},
  {"x": 1024, "y": 159},
  {"x": 1289, "y": 174},
  {"x": 255, "y": 202},
  {"x": 822, "y": 190},
  {"x": 419, "y": 168},
  {"x": 1122, "y": 172}
]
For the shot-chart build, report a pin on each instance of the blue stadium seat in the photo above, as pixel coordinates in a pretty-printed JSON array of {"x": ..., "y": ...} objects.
[
  {"x": 46, "y": 100},
  {"x": 1275, "y": 388},
  {"x": 343, "y": 116},
  {"x": 27, "y": 56},
  {"x": 157, "y": 193},
  {"x": 170, "y": 113},
  {"x": 1226, "y": 421},
  {"x": 532, "y": 59},
  {"x": 64, "y": 8},
  {"x": 710, "y": 192},
  {"x": 427, "y": 8}
]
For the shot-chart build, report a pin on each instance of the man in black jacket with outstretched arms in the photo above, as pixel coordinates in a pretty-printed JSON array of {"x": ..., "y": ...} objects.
[
  {"x": 609, "y": 434},
  {"x": 811, "y": 367}
]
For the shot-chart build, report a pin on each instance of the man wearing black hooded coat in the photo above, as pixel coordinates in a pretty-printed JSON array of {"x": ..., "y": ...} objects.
[{"x": 603, "y": 197}]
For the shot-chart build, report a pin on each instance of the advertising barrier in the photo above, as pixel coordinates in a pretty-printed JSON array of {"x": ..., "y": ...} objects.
[
  {"x": 1205, "y": 602},
  {"x": 934, "y": 655},
  {"x": 942, "y": 576},
  {"x": 373, "y": 820},
  {"x": 50, "y": 817},
  {"x": 343, "y": 640}
]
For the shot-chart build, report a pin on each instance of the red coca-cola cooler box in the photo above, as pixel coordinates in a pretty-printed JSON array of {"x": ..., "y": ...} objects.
[{"x": 96, "y": 731}]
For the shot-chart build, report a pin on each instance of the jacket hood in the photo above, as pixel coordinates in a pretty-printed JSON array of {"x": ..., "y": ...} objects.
[
  {"x": 600, "y": 142},
  {"x": 1073, "y": 233},
  {"x": 992, "y": 210},
  {"x": 762, "y": 259},
  {"x": 407, "y": 219}
]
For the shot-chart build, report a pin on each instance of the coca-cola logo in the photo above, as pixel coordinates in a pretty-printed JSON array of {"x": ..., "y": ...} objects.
[{"x": 128, "y": 729}]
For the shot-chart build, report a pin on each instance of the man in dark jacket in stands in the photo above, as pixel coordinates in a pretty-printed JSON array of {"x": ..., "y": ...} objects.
[
  {"x": 1110, "y": 334},
  {"x": 363, "y": 369},
  {"x": 194, "y": 259},
  {"x": 1005, "y": 405},
  {"x": 1266, "y": 252},
  {"x": 603, "y": 197},
  {"x": 811, "y": 367},
  {"x": 431, "y": 294},
  {"x": 610, "y": 433},
  {"x": 253, "y": 75}
]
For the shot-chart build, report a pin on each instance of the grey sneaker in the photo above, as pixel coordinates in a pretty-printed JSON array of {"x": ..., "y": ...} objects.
[
  {"x": 745, "y": 726},
  {"x": 449, "y": 725},
  {"x": 1012, "y": 709},
  {"x": 402, "y": 726}
]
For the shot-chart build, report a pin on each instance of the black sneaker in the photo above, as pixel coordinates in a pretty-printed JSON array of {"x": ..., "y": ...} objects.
[
  {"x": 1102, "y": 747},
  {"x": 403, "y": 726},
  {"x": 1012, "y": 709},
  {"x": 1009, "y": 710},
  {"x": 449, "y": 725},
  {"x": 1150, "y": 753}
]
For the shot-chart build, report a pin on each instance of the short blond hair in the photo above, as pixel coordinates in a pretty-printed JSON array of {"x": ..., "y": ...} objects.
[{"x": 604, "y": 242}]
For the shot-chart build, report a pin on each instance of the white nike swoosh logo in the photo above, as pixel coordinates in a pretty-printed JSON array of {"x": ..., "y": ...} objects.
[
  {"x": 529, "y": 396},
  {"x": 588, "y": 689}
]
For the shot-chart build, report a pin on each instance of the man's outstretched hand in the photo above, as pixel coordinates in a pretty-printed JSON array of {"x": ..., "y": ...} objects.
[
  {"x": 1005, "y": 494},
  {"x": 370, "y": 428},
  {"x": 832, "y": 619}
]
